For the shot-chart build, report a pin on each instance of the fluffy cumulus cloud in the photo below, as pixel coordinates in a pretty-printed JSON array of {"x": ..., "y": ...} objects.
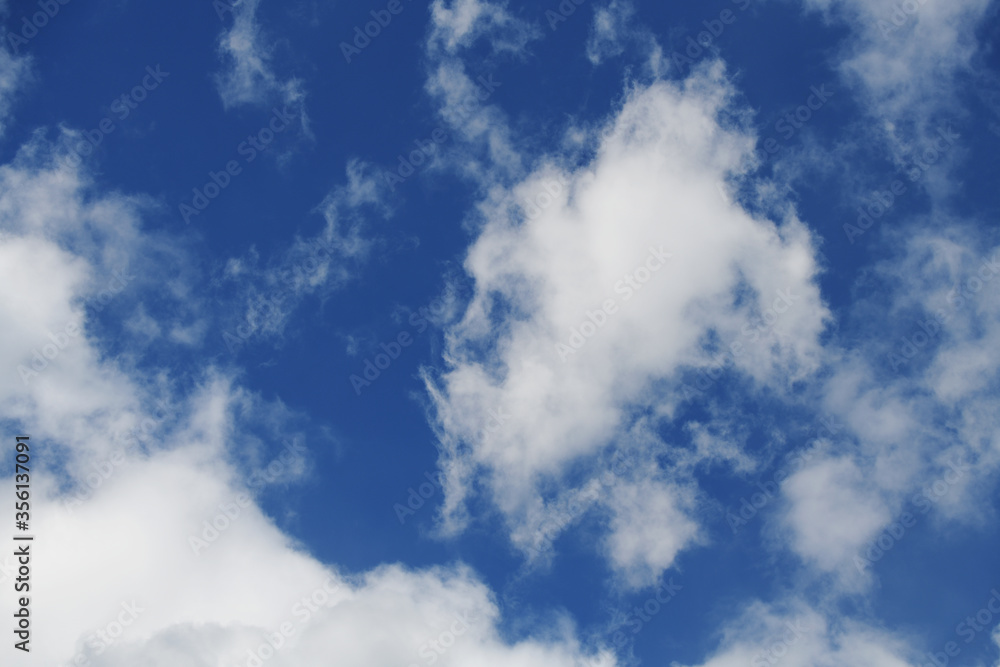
[
  {"x": 616, "y": 306},
  {"x": 914, "y": 387},
  {"x": 156, "y": 549},
  {"x": 181, "y": 565},
  {"x": 832, "y": 512},
  {"x": 799, "y": 636},
  {"x": 581, "y": 333},
  {"x": 597, "y": 286}
]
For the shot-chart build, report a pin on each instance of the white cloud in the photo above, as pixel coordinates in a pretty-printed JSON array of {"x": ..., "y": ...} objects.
[
  {"x": 455, "y": 28},
  {"x": 457, "y": 24},
  {"x": 833, "y": 512},
  {"x": 638, "y": 547},
  {"x": 903, "y": 59},
  {"x": 795, "y": 635},
  {"x": 614, "y": 30},
  {"x": 13, "y": 72},
  {"x": 118, "y": 577},
  {"x": 917, "y": 393},
  {"x": 135, "y": 543},
  {"x": 608, "y": 31},
  {"x": 559, "y": 243},
  {"x": 247, "y": 75},
  {"x": 267, "y": 296}
]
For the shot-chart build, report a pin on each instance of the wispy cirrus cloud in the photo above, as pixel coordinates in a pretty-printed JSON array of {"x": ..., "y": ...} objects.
[
  {"x": 149, "y": 596},
  {"x": 248, "y": 74}
]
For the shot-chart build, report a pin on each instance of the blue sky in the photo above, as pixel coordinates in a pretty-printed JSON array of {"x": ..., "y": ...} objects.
[{"x": 482, "y": 333}]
